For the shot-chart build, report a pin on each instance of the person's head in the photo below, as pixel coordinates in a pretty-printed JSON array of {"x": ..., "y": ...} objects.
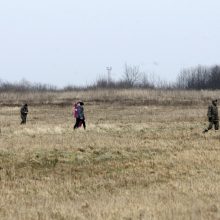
[
  {"x": 214, "y": 101},
  {"x": 25, "y": 104},
  {"x": 80, "y": 102}
]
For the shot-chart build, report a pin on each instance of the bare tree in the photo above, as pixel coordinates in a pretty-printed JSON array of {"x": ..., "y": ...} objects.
[
  {"x": 147, "y": 81},
  {"x": 131, "y": 75}
]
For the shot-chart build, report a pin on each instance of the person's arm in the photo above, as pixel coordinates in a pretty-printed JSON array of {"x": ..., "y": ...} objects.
[
  {"x": 209, "y": 114},
  {"x": 22, "y": 110}
]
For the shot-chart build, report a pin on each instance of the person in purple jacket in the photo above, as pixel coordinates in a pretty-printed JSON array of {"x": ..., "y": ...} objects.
[{"x": 79, "y": 115}]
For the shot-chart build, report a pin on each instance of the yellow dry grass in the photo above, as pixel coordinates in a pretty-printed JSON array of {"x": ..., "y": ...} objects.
[
  {"x": 128, "y": 96},
  {"x": 134, "y": 161}
]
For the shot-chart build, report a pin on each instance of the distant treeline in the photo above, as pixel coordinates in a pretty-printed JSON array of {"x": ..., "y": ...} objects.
[
  {"x": 196, "y": 78},
  {"x": 200, "y": 77},
  {"x": 25, "y": 86}
]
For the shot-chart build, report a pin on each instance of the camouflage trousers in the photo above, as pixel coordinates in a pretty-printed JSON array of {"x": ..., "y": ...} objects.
[{"x": 215, "y": 123}]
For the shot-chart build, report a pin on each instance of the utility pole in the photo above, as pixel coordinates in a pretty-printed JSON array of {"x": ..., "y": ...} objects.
[{"x": 109, "y": 69}]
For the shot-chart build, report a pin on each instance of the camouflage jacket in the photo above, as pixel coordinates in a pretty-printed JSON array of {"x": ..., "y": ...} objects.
[{"x": 213, "y": 113}]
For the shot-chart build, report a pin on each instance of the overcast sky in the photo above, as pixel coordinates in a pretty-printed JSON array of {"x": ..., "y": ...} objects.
[{"x": 72, "y": 42}]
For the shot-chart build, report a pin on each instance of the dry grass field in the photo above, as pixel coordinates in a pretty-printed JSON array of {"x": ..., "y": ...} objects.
[{"x": 143, "y": 156}]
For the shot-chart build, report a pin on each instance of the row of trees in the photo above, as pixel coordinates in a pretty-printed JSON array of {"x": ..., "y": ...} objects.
[
  {"x": 24, "y": 86},
  {"x": 198, "y": 78}
]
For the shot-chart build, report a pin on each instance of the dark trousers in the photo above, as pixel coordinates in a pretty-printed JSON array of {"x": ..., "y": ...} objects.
[
  {"x": 215, "y": 123},
  {"x": 23, "y": 119},
  {"x": 79, "y": 122}
]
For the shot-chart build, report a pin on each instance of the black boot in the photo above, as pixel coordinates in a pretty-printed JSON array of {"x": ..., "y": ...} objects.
[{"x": 205, "y": 130}]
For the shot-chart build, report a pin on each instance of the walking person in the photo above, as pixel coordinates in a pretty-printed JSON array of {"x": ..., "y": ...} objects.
[
  {"x": 213, "y": 116},
  {"x": 79, "y": 115},
  {"x": 24, "y": 113}
]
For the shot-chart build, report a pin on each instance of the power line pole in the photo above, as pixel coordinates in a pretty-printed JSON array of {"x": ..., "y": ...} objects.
[{"x": 109, "y": 69}]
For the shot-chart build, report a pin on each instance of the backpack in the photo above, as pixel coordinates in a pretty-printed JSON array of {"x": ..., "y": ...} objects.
[{"x": 75, "y": 111}]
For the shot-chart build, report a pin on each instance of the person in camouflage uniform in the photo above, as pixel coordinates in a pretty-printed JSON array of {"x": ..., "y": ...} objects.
[
  {"x": 213, "y": 116},
  {"x": 24, "y": 112}
]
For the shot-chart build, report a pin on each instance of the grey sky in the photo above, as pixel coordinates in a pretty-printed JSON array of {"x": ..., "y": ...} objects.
[{"x": 72, "y": 42}]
